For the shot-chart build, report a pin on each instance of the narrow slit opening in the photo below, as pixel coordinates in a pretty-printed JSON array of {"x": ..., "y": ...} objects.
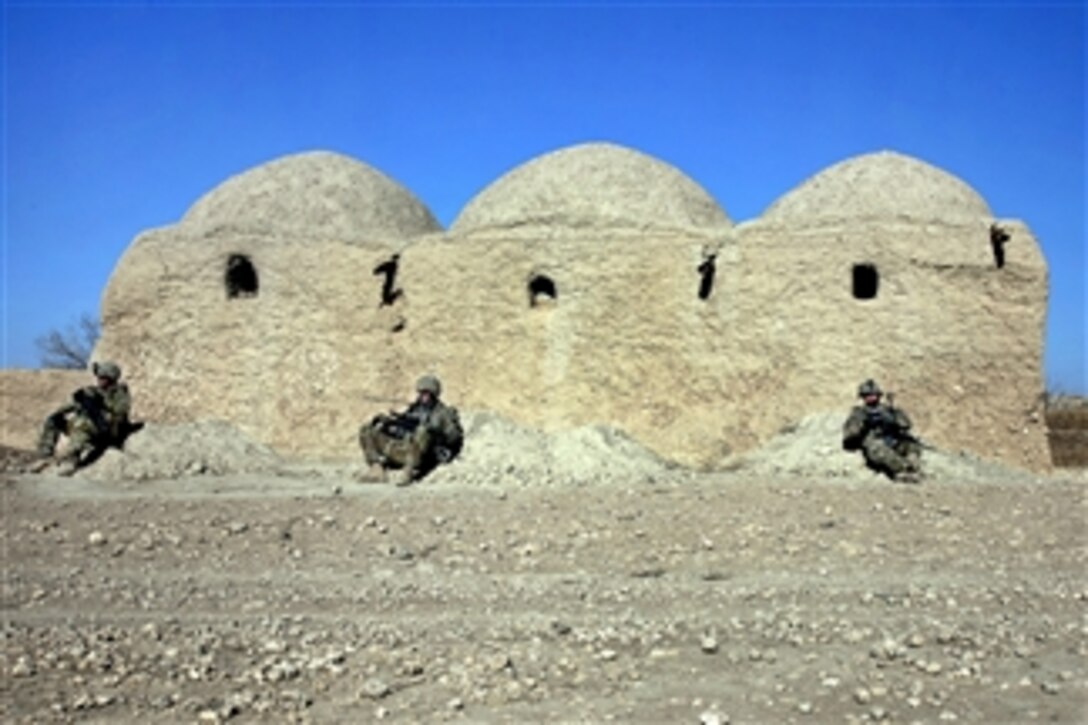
[{"x": 706, "y": 276}]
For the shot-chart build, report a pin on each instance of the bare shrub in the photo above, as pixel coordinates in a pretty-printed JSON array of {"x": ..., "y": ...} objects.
[{"x": 71, "y": 348}]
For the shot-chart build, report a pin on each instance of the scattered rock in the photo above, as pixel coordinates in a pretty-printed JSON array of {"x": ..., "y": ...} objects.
[
  {"x": 22, "y": 668},
  {"x": 374, "y": 689},
  {"x": 503, "y": 452},
  {"x": 812, "y": 448}
]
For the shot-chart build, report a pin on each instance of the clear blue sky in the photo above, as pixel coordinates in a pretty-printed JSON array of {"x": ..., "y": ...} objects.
[{"x": 118, "y": 116}]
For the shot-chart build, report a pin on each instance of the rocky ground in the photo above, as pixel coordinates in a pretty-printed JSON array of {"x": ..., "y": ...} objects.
[{"x": 295, "y": 593}]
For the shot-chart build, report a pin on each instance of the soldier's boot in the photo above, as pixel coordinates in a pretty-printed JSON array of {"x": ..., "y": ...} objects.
[
  {"x": 914, "y": 465},
  {"x": 374, "y": 472},
  {"x": 47, "y": 444},
  {"x": 410, "y": 472},
  {"x": 45, "y": 456},
  {"x": 908, "y": 477},
  {"x": 71, "y": 458},
  {"x": 406, "y": 477},
  {"x": 67, "y": 467},
  {"x": 41, "y": 464}
]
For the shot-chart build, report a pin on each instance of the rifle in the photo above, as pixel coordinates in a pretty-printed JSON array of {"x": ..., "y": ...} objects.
[
  {"x": 59, "y": 420},
  {"x": 91, "y": 406},
  {"x": 398, "y": 426},
  {"x": 878, "y": 420}
]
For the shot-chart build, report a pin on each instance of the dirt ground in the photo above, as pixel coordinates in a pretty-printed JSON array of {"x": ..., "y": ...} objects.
[{"x": 301, "y": 595}]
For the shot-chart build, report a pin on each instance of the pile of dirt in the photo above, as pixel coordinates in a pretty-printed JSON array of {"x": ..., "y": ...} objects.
[
  {"x": 171, "y": 451},
  {"x": 812, "y": 447},
  {"x": 499, "y": 451}
]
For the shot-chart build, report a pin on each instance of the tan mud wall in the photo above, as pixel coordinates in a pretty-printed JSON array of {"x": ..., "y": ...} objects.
[
  {"x": 296, "y": 367},
  {"x": 628, "y": 341},
  {"x": 958, "y": 340}
]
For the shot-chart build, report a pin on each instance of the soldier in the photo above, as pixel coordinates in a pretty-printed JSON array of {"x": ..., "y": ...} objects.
[
  {"x": 96, "y": 418},
  {"x": 426, "y": 434},
  {"x": 882, "y": 433}
]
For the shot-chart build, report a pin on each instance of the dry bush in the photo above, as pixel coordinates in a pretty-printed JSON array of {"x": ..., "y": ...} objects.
[{"x": 72, "y": 348}]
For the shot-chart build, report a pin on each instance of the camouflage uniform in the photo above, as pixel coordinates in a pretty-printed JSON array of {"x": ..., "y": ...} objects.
[
  {"x": 417, "y": 440},
  {"x": 96, "y": 418},
  {"x": 882, "y": 433}
]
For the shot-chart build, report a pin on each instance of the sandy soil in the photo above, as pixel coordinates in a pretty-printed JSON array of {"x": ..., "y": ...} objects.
[{"x": 302, "y": 595}]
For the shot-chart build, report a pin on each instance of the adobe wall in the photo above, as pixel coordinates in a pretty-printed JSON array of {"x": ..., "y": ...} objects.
[
  {"x": 294, "y": 366},
  {"x": 958, "y": 340},
  {"x": 627, "y": 341}
]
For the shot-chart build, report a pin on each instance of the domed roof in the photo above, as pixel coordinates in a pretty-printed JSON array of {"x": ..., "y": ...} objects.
[
  {"x": 593, "y": 186},
  {"x": 882, "y": 185},
  {"x": 314, "y": 194}
]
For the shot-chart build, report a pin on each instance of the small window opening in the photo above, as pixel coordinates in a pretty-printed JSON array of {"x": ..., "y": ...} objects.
[
  {"x": 541, "y": 291},
  {"x": 241, "y": 277},
  {"x": 390, "y": 292},
  {"x": 866, "y": 281},
  {"x": 706, "y": 278},
  {"x": 998, "y": 237}
]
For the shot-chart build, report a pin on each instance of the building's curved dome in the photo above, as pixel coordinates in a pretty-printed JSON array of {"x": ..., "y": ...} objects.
[
  {"x": 593, "y": 186},
  {"x": 318, "y": 194},
  {"x": 882, "y": 185}
]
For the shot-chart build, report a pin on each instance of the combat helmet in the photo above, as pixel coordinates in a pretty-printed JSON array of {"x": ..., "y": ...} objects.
[
  {"x": 429, "y": 384},
  {"x": 869, "y": 387},
  {"x": 106, "y": 369}
]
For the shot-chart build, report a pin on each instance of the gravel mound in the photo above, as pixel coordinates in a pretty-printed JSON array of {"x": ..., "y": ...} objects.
[
  {"x": 171, "y": 451},
  {"x": 812, "y": 447},
  {"x": 499, "y": 451}
]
